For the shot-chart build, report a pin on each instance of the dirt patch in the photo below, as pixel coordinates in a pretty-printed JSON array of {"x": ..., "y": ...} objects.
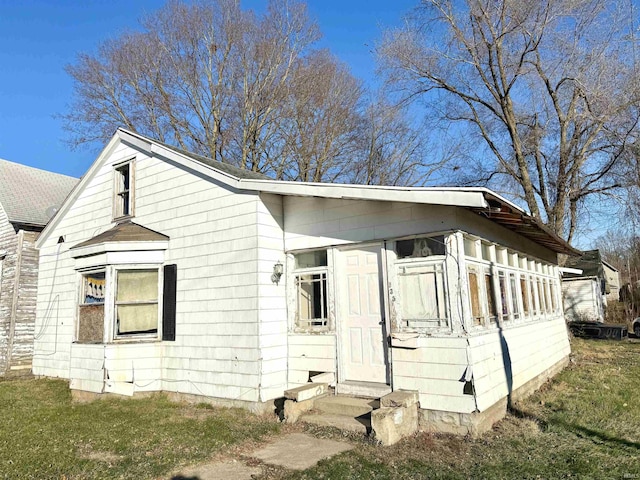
[{"x": 100, "y": 456}]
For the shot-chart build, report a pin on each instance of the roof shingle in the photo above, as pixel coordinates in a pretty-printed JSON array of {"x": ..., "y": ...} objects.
[{"x": 27, "y": 194}]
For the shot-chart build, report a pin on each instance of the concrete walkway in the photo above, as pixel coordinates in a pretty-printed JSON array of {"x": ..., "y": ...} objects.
[{"x": 295, "y": 451}]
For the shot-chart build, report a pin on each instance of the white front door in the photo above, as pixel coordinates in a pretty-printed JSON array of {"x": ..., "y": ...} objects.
[{"x": 361, "y": 315}]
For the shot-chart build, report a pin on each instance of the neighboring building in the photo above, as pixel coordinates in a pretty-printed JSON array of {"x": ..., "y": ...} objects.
[
  {"x": 180, "y": 274},
  {"x": 612, "y": 279},
  {"x": 28, "y": 197},
  {"x": 583, "y": 299},
  {"x": 587, "y": 293}
]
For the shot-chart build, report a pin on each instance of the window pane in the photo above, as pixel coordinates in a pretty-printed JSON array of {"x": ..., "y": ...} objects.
[
  {"x": 137, "y": 286},
  {"x": 469, "y": 247},
  {"x": 543, "y": 307},
  {"x": 91, "y": 323},
  {"x": 94, "y": 288},
  {"x": 312, "y": 299},
  {"x": 514, "y": 294},
  {"x": 311, "y": 259},
  {"x": 486, "y": 251},
  {"x": 419, "y": 296},
  {"x": 503, "y": 294},
  {"x": 420, "y": 247},
  {"x": 137, "y": 318},
  {"x": 491, "y": 307}
]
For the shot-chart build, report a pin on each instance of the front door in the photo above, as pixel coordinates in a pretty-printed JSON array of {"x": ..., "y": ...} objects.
[{"x": 361, "y": 315}]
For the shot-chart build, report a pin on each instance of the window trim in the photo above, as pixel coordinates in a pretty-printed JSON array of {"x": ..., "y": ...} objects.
[
  {"x": 131, "y": 191},
  {"x": 128, "y": 337},
  {"x": 294, "y": 274}
]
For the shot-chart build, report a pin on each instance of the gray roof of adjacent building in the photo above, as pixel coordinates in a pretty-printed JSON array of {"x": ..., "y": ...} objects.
[{"x": 30, "y": 196}]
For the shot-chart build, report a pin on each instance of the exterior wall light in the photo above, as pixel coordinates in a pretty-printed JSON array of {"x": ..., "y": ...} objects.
[{"x": 277, "y": 272}]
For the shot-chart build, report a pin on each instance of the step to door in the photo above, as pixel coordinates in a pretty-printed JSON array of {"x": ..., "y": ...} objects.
[
  {"x": 345, "y": 406},
  {"x": 360, "y": 424},
  {"x": 363, "y": 389}
]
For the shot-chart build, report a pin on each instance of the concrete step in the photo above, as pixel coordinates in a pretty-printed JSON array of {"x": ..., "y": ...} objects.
[
  {"x": 346, "y": 406},
  {"x": 360, "y": 424},
  {"x": 363, "y": 389}
]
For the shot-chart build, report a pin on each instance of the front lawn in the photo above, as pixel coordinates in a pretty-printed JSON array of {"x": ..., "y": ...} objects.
[
  {"x": 584, "y": 424},
  {"x": 43, "y": 435}
]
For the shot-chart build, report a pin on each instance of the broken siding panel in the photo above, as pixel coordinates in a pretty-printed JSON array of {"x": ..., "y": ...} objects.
[
  {"x": 310, "y": 353},
  {"x": 434, "y": 369},
  {"x": 532, "y": 349}
]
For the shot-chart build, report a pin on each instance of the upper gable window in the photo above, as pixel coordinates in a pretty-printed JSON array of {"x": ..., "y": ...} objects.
[{"x": 123, "y": 190}]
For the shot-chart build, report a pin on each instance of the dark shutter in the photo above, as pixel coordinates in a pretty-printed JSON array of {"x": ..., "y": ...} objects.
[{"x": 169, "y": 303}]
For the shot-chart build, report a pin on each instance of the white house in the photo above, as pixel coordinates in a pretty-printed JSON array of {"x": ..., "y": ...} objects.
[{"x": 168, "y": 271}]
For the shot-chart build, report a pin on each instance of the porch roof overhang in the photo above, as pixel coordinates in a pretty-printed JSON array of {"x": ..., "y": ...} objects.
[{"x": 510, "y": 216}]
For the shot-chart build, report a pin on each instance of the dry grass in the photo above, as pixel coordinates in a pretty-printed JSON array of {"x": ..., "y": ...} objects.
[{"x": 584, "y": 424}]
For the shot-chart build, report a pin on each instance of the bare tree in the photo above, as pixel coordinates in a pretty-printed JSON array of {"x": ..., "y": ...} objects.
[
  {"x": 547, "y": 87},
  {"x": 207, "y": 77},
  {"x": 393, "y": 149},
  {"x": 321, "y": 120}
]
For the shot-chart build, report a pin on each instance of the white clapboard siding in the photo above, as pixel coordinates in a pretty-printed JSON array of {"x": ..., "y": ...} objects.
[
  {"x": 272, "y": 309},
  {"x": 318, "y": 222},
  {"x": 532, "y": 349},
  {"x": 214, "y": 242},
  {"x": 310, "y": 353}
]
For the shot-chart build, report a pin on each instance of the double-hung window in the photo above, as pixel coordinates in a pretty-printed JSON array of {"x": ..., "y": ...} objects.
[
  {"x": 310, "y": 280},
  {"x": 136, "y": 303},
  {"x": 123, "y": 190}
]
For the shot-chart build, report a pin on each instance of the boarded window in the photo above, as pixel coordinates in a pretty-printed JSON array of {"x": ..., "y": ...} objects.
[
  {"x": 420, "y": 247},
  {"x": 474, "y": 297},
  {"x": 526, "y": 303},
  {"x": 422, "y": 296},
  {"x": 311, "y": 295},
  {"x": 91, "y": 309},
  {"x": 137, "y": 302}
]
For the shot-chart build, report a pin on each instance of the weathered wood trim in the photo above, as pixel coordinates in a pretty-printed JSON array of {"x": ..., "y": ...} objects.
[{"x": 14, "y": 300}]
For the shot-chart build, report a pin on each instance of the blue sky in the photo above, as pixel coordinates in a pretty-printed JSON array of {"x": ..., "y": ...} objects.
[{"x": 39, "y": 37}]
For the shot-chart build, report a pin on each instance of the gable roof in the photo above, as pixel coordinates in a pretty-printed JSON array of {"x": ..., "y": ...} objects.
[
  {"x": 29, "y": 195},
  {"x": 478, "y": 199}
]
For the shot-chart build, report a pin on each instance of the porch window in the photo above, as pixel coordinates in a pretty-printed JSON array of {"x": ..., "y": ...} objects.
[
  {"x": 526, "y": 295},
  {"x": 123, "y": 190},
  {"x": 310, "y": 280},
  {"x": 422, "y": 295},
  {"x": 136, "y": 302},
  {"x": 504, "y": 299},
  {"x": 91, "y": 308},
  {"x": 490, "y": 297},
  {"x": 420, "y": 247},
  {"x": 515, "y": 300}
]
